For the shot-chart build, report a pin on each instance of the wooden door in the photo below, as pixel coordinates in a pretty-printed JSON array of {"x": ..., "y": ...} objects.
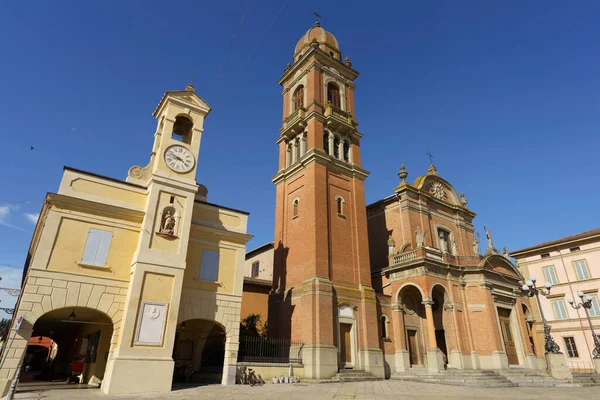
[
  {"x": 509, "y": 342},
  {"x": 412, "y": 347},
  {"x": 345, "y": 345}
]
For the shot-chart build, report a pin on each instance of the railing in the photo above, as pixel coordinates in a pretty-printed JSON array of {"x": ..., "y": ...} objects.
[
  {"x": 257, "y": 349},
  {"x": 403, "y": 257},
  {"x": 581, "y": 366}
]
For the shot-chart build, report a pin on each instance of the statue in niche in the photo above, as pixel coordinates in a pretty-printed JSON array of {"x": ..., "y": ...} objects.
[
  {"x": 443, "y": 244},
  {"x": 420, "y": 235},
  {"x": 168, "y": 223},
  {"x": 454, "y": 248}
]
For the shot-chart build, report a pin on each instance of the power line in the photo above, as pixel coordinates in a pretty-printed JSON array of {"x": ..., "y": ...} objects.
[
  {"x": 263, "y": 36},
  {"x": 230, "y": 45}
]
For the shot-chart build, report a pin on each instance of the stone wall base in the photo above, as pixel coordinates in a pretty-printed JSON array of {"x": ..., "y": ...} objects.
[
  {"x": 139, "y": 375},
  {"x": 402, "y": 361},
  {"x": 557, "y": 366},
  {"x": 320, "y": 361},
  {"x": 596, "y": 362},
  {"x": 371, "y": 360},
  {"x": 435, "y": 361}
]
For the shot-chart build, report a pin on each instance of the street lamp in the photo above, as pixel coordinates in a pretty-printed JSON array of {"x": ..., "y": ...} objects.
[
  {"x": 531, "y": 290},
  {"x": 586, "y": 303}
]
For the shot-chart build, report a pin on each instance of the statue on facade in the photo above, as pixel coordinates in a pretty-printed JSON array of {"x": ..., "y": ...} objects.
[
  {"x": 488, "y": 236},
  {"x": 490, "y": 249},
  {"x": 505, "y": 253},
  {"x": 391, "y": 245},
  {"x": 476, "y": 246},
  {"x": 443, "y": 244},
  {"x": 420, "y": 235},
  {"x": 168, "y": 223},
  {"x": 454, "y": 248}
]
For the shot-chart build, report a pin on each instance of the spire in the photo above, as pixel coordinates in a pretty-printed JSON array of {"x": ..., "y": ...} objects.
[{"x": 189, "y": 86}]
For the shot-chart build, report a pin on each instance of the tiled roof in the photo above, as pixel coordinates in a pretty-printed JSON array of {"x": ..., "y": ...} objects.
[
  {"x": 578, "y": 236},
  {"x": 257, "y": 281}
]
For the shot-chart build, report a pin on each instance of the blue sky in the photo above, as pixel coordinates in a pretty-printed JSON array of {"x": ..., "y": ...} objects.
[{"x": 504, "y": 94}]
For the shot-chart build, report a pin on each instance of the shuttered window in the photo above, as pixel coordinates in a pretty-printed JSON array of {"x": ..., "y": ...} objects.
[
  {"x": 550, "y": 275},
  {"x": 96, "y": 247},
  {"x": 595, "y": 310},
  {"x": 209, "y": 266},
  {"x": 581, "y": 270},
  {"x": 560, "y": 310}
]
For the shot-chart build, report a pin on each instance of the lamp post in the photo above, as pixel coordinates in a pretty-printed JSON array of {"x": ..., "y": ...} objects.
[
  {"x": 586, "y": 303},
  {"x": 532, "y": 290}
]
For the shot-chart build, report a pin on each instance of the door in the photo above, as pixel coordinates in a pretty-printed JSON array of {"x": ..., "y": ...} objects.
[
  {"x": 412, "y": 347},
  {"x": 509, "y": 342},
  {"x": 345, "y": 345}
]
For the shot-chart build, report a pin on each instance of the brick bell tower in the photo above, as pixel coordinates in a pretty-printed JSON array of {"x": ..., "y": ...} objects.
[{"x": 322, "y": 294}]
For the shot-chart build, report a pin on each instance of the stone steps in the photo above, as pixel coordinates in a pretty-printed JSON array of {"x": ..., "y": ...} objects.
[
  {"x": 586, "y": 378},
  {"x": 488, "y": 378},
  {"x": 353, "y": 375}
]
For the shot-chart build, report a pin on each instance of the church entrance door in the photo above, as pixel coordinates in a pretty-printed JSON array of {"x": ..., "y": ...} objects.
[
  {"x": 509, "y": 342},
  {"x": 345, "y": 344},
  {"x": 412, "y": 347}
]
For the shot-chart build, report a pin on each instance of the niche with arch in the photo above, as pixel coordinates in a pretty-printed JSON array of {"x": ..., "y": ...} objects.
[
  {"x": 168, "y": 223},
  {"x": 182, "y": 129}
]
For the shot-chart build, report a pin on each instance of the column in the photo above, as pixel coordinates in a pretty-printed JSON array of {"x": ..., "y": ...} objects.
[
  {"x": 530, "y": 358},
  {"x": 330, "y": 144},
  {"x": 288, "y": 156},
  {"x": 294, "y": 151},
  {"x": 402, "y": 359},
  {"x": 303, "y": 144},
  {"x": 435, "y": 362},
  {"x": 341, "y": 149}
]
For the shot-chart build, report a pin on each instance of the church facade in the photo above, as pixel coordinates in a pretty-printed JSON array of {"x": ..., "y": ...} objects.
[
  {"x": 383, "y": 288},
  {"x": 139, "y": 282}
]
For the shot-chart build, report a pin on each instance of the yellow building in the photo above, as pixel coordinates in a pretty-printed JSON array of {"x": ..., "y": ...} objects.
[{"x": 139, "y": 282}]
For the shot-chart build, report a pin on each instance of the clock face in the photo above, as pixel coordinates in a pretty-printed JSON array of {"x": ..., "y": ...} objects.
[{"x": 179, "y": 159}]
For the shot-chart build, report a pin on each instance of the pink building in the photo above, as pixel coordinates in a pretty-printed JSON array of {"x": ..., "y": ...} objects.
[{"x": 571, "y": 264}]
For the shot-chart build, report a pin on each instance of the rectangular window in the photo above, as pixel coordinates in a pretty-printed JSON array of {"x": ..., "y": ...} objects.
[
  {"x": 545, "y": 255},
  {"x": 571, "y": 347},
  {"x": 255, "y": 269},
  {"x": 560, "y": 310},
  {"x": 581, "y": 270},
  {"x": 595, "y": 310},
  {"x": 96, "y": 247},
  {"x": 209, "y": 267},
  {"x": 574, "y": 249},
  {"x": 550, "y": 274}
]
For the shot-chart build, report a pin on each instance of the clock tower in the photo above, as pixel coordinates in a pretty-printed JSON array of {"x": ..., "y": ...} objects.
[
  {"x": 159, "y": 261},
  {"x": 322, "y": 295}
]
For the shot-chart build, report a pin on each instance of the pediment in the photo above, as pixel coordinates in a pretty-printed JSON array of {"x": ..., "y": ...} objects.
[
  {"x": 439, "y": 189},
  {"x": 185, "y": 98},
  {"x": 500, "y": 265}
]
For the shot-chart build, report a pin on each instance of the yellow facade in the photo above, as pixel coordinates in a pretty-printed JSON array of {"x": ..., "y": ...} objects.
[{"x": 141, "y": 266}]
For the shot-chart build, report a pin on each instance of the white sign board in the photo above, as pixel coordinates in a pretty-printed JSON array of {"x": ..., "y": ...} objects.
[
  {"x": 151, "y": 323},
  {"x": 18, "y": 323}
]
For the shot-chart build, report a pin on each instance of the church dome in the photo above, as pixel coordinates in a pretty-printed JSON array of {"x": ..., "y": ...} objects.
[{"x": 326, "y": 41}]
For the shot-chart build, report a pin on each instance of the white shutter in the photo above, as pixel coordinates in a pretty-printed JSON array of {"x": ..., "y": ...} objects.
[
  {"x": 102, "y": 252},
  {"x": 91, "y": 246},
  {"x": 209, "y": 266}
]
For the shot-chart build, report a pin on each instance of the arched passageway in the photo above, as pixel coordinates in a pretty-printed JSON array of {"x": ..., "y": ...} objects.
[
  {"x": 67, "y": 345},
  {"x": 199, "y": 352}
]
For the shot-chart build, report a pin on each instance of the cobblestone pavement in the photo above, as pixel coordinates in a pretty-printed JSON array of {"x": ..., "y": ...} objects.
[{"x": 388, "y": 389}]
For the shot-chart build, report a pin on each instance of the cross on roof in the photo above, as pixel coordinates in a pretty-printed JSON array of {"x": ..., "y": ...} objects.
[{"x": 430, "y": 157}]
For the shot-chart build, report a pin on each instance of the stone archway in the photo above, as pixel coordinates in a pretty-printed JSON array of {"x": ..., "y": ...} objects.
[
  {"x": 412, "y": 323},
  {"x": 199, "y": 352},
  {"x": 78, "y": 342}
]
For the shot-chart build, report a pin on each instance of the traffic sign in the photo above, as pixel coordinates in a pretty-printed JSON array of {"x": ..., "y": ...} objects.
[{"x": 18, "y": 323}]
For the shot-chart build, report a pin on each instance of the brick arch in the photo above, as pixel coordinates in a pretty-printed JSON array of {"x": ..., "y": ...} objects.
[
  {"x": 446, "y": 291},
  {"x": 407, "y": 284}
]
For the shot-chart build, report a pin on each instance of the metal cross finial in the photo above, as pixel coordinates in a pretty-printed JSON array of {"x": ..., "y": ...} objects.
[
  {"x": 191, "y": 80},
  {"x": 316, "y": 12},
  {"x": 430, "y": 157}
]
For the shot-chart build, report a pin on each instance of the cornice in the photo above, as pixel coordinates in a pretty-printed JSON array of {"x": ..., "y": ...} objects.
[
  {"x": 332, "y": 164},
  {"x": 324, "y": 58},
  {"x": 93, "y": 207}
]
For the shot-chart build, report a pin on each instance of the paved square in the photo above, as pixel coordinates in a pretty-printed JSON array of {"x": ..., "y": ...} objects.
[{"x": 339, "y": 391}]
